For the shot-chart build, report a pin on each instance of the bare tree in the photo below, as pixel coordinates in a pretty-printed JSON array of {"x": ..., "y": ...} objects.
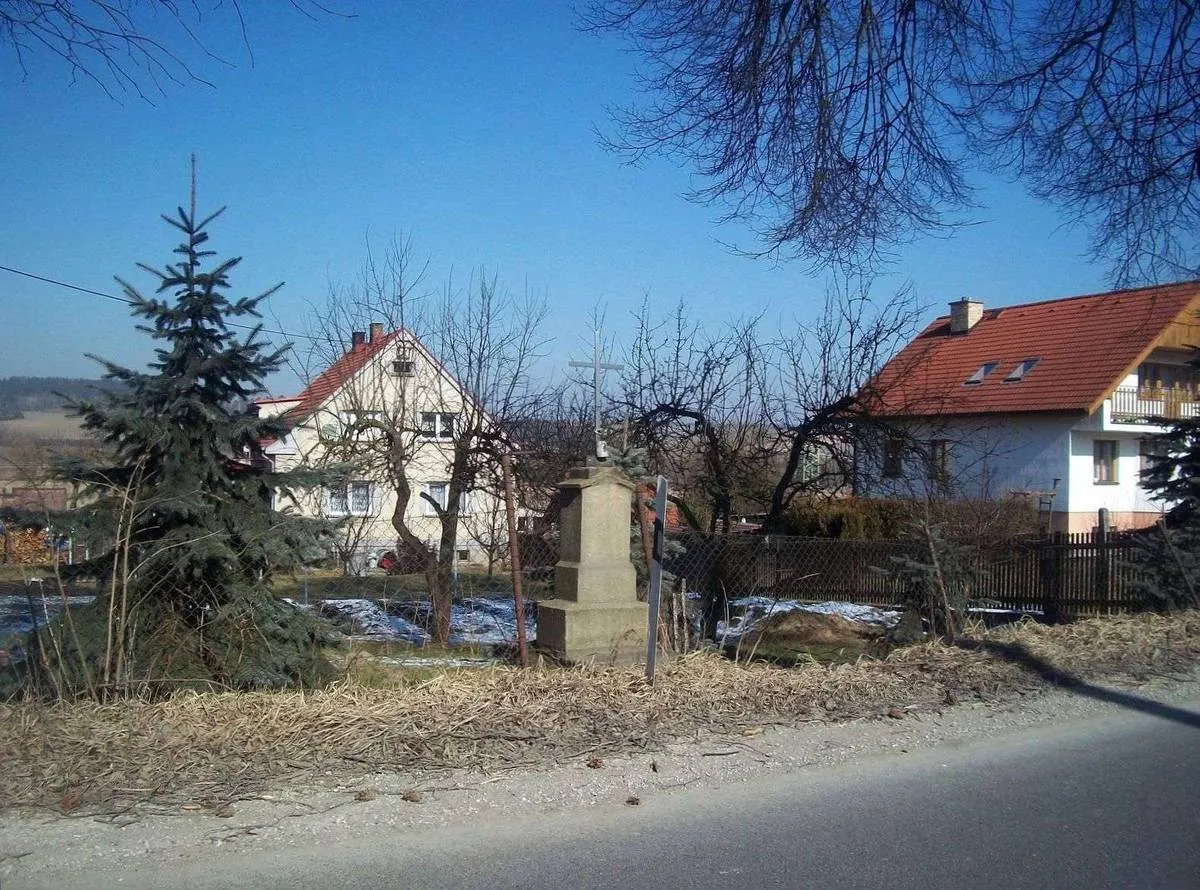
[
  {"x": 840, "y": 129},
  {"x": 737, "y": 419},
  {"x": 1097, "y": 105},
  {"x": 822, "y": 405},
  {"x": 428, "y": 424},
  {"x": 695, "y": 402},
  {"x": 125, "y": 45},
  {"x": 823, "y": 124},
  {"x": 489, "y": 341}
]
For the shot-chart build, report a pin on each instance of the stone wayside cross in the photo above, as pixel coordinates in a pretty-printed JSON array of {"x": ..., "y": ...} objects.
[{"x": 595, "y": 615}]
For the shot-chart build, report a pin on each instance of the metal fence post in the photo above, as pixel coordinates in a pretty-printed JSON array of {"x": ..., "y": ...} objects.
[
  {"x": 654, "y": 596},
  {"x": 1103, "y": 591}
]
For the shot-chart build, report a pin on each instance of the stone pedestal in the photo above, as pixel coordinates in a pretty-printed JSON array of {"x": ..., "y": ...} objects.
[{"x": 595, "y": 615}]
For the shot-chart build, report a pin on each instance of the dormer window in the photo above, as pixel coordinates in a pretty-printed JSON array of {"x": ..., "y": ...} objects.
[
  {"x": 1017, "y": 374},
  {"x": 977, "y": 378}
]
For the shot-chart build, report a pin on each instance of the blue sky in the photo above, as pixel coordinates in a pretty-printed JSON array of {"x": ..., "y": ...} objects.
[{"x": 472, "y": 128}]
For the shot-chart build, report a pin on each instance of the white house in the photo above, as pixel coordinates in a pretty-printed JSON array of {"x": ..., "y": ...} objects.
[
  {"x": 392, "y": 381},
  {"x": 1054, "y": 401}
]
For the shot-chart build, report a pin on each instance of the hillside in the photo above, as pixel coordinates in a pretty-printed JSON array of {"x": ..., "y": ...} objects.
[{"x": 19, "y": 395}]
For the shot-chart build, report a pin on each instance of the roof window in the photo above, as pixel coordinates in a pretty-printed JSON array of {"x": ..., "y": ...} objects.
[
  {"x": 1017, "y": 374},
  {"x": 977, "y": 378}
]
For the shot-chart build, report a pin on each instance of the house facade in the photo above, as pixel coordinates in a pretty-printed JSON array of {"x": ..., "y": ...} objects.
[
  {"x": 387, "y": 399},
  {"x": 1056, "y": 402}
]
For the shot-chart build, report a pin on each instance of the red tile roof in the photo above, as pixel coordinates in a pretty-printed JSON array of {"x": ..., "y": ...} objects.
[
  {"x": 333, "y": 377},
  {"x": 1084, "y": 345}
]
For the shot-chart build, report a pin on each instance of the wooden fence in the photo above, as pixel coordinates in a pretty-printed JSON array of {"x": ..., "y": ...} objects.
[{"x": 1062, "y": 575}]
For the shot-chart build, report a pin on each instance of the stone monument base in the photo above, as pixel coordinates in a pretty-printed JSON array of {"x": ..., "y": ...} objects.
[{"x": 603, "y": 633}]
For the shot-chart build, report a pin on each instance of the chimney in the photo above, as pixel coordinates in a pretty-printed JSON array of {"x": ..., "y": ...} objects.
[
  {"x": 376, "y": 331},
  {"x": 356, "y": 340},
  {"x": 964, "y": 315}
]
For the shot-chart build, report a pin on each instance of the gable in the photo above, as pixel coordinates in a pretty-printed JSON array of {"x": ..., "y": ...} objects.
[{"x": 365, "y": 368}]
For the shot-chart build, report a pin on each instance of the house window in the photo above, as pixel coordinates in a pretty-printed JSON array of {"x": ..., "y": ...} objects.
[
  {"x": 1017, "y": 374},
  {"x": 440, "y": 492},
  {"x": 438, "y": 424},
  {"x": 810, "y": 464},
  {"x": 893, "y": 458},
  {"x": 977, "y": 378},
  {"x": 353, "y": 422},
  {"x": 349, "y": 499},
  {"x": 1104, "y": 461},
  {"x": 464, "y": 556},
  {"x": 939, "y": 461}
]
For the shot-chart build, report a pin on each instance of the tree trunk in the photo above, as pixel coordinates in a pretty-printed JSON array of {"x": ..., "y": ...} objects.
[{"x": 414, "y": 545}]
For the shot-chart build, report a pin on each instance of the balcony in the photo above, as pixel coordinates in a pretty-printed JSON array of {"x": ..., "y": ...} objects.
[{"x": 1153, "y": 406}]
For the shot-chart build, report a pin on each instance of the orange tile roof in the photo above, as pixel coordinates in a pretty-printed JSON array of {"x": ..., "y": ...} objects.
[{"x": 1084, "y": 345}]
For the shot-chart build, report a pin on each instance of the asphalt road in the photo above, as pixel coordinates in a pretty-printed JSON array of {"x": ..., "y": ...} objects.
[{"x": 1112, "y": 802}]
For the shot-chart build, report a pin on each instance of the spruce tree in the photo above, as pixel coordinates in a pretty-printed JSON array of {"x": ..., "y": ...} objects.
[
  {"x": 1169, "y": 555},
  {"x": 186, "y": 596}
]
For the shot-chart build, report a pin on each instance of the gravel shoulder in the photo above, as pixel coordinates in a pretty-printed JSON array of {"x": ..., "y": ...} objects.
[{"x": 45, "y": 849}]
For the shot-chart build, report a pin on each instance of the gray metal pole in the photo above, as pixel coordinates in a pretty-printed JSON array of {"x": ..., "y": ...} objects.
[
  {"x": 514, "y": 557},
  {"x": 654, "y": 597}
]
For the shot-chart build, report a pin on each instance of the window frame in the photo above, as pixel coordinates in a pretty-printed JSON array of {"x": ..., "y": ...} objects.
[
  {"x": 439, "y": 426},
  {"x": 465, "y": 500},
  {"x": 1022, "y": 369},
  {"x": 345, "y": 505},
  {"x": 351, "y": 417},
  {"x": 1104, "y": 465},
  {"x": 939, "y": 461},
  {"x": 427, "y": 488},
  {"x": 893, "y": 458}
]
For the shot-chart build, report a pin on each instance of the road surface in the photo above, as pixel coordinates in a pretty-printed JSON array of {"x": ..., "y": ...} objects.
[{"x": 1108, "y": 802}]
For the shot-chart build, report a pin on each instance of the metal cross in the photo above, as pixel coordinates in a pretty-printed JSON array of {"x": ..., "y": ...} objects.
[{"x": 597, "y": 366}]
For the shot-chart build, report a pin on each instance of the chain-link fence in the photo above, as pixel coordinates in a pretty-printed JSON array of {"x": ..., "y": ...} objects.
[
  {"x": 538, "y": 555},
  {"x": 814, "y": 569}
]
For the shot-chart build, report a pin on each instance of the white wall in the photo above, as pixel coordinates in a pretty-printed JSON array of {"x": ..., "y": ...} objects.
[
  {"x": 1027, "y": 454},
  {"x": 988, "y": 458},
  {"x": 1126, "y": 495}
]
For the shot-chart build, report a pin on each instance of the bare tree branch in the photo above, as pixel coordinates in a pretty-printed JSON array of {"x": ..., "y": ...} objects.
[
  {"x": 137, "y": 46},
  {"x": 839, "y": 130},
  {"x": 826, "y": 125}
]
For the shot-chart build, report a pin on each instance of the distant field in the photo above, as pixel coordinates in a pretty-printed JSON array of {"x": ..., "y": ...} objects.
[{"x": 44, "y": 425}]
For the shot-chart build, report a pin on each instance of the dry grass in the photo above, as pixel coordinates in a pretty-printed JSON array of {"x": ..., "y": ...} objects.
[
  {"x": 214, "y": 748},
  {"x": 57, "y": 425}
]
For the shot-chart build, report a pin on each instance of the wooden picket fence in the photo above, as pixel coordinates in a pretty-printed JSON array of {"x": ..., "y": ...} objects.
[{"x": 1061, "y": 575}]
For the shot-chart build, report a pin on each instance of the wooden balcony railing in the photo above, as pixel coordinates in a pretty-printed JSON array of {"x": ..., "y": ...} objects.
[{"x": 1134, "y": 405}]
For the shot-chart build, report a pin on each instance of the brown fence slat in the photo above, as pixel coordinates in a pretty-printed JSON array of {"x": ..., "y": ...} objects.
[{"x": 1061, "y": 575}]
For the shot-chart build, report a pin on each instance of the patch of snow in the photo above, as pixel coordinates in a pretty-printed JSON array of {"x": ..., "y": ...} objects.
[
  {"x": 15, "y": 617},
  {"x": 411, "y": 661},
  {"x": 478, "y": 621},
  {"x": 366, "y": 619},
  {"x": 474, "y": 621}
]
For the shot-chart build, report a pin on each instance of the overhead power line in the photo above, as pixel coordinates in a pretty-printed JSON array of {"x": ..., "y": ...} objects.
[
  {"x": 83, "y": 290},
  {"x": 128, "y": 302}
]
